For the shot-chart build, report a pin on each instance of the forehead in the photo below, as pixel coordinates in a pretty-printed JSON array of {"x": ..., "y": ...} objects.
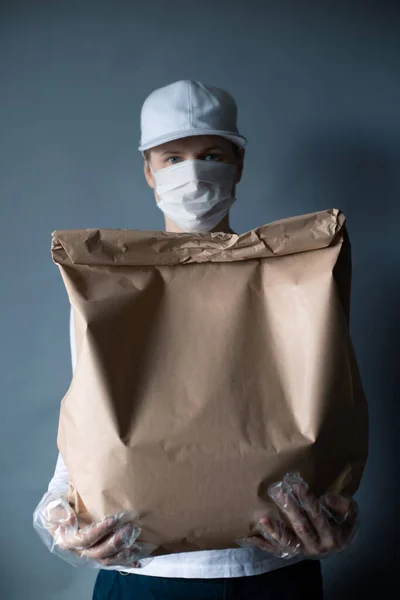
[{"x": 197, "y": 143}]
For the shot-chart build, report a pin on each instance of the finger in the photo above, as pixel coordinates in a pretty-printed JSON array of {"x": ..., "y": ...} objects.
[
  {"x": 340, "y": 505},
  {"x": 292, "y": 480},
  {"x": 122, "y": 539},
  {"x": 256, "y": 541},
  {"x": 118, "y": 540},
  {"x": 69, "y": 523},
  {"x": 316, "y": 517},
  {"x": 298, "y": 520},
  {"x": 335, "y": 529},
  {"x": 60, "y": 516},
  {"x": 58, "y": 512},
  {"x": 125, "y": 558},
  {"x": 344, "y": 522},
  {"x": 306, "y": 499},
  {"x": 89, "y": 536},
  {"x": 278, "y": 534}
]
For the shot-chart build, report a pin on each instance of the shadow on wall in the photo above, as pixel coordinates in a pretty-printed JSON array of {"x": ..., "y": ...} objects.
[{"x": 360, "y": 176}]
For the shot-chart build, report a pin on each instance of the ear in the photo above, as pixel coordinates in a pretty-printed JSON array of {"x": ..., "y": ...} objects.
[
  {"x": 240, "y": 164},
  {"x": 148, "y": 174}
]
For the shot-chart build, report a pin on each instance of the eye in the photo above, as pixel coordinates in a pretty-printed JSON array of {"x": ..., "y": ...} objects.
[
  {"x": 172, "y": 160},
  {"x": 213, "y": 157}
]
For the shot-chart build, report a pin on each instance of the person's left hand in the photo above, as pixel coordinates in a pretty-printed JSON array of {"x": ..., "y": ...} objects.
[{"x": 312, "y": 527}]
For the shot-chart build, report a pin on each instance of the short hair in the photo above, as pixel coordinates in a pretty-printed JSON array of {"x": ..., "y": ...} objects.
[{"x": 236, "y": 150}]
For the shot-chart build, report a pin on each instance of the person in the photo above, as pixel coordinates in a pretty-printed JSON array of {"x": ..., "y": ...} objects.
[{"x": 193, "y": 160}]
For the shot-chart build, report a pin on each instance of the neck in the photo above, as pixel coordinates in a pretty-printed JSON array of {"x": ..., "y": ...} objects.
[{"x": 223, "y": 227}]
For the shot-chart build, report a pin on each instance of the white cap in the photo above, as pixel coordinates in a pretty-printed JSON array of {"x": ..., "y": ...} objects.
[{"x": 187, "y": 108}]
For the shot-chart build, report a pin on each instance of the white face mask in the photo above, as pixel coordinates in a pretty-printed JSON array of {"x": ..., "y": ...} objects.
[{"x": 196, "y": 194}]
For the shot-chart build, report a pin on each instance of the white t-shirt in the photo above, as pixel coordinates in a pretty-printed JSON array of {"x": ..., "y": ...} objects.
[{"x": 210, "y": 564}]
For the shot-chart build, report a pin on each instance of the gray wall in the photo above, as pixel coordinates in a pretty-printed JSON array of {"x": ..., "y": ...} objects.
[{"x": 318, "y": 88}]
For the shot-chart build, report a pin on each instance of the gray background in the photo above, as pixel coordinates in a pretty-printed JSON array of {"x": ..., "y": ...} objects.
[{"x": 317, "y": 85}]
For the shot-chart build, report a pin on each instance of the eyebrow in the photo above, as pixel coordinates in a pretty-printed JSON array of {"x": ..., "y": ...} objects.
[
  {"x": 202, "y": 151},
  {"x": 171, "y": 152},
  {"x": 214, "y": 148}
]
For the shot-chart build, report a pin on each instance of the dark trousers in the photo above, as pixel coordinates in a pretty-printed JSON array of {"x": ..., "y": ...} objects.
[{"x": 301, "y": 581}]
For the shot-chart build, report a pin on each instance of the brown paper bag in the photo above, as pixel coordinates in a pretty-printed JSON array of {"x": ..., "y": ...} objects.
[{"x": 207, "y": 367}]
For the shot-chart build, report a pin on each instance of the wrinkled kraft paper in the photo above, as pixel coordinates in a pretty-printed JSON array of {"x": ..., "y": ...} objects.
[{"x": 208, "y": 365}]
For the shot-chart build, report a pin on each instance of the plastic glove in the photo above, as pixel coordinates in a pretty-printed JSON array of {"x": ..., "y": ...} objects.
[
  {"x": 108, "y": 543},
  {"x": 305, "y": 526}
]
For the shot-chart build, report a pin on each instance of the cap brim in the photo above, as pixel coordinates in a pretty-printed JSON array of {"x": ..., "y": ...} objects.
[{"x": 235, "y": 138}]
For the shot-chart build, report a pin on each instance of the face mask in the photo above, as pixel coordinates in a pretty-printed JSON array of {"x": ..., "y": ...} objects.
[{"x": 196, "y": 194}]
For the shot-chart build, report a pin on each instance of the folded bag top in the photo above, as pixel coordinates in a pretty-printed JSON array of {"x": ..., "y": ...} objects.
[{"x": 133, "y": 247}]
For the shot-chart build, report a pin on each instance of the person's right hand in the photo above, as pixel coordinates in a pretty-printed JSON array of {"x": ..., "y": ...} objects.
[{"x": 109, "y": 542}]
